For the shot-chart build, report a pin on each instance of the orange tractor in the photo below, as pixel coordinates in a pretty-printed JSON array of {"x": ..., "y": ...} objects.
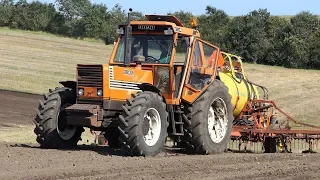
[{"x": 162, "y": 80}]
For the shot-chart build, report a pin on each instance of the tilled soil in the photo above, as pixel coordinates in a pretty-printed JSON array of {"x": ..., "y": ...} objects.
[
  {"x": 87, "y": 162},
  {"x": 17, "y": 108},
  {"x": 28, "y": 161}
]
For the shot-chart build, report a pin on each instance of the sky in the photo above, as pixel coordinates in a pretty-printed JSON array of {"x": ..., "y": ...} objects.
[{"x": 231, "y": 7}]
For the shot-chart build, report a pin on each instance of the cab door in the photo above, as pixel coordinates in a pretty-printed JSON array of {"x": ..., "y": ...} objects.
[{"x": 201, "y": 70}]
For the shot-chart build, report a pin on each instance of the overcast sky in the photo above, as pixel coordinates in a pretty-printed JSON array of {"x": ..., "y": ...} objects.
[{"x": 231, "y": 7}]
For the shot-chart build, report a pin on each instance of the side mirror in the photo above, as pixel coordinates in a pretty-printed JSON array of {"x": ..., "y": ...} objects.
[{"x": 108, "y": 40}]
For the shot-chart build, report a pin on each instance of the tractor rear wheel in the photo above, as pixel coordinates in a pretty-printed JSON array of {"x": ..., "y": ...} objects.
[
  {"x": 51, "y": 128},
  {"x": 143, "y": 124},
  {"x": 208, "y": 121}
]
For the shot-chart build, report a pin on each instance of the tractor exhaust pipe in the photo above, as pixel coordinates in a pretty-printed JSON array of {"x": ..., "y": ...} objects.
[{"x": 127, "y": 42}]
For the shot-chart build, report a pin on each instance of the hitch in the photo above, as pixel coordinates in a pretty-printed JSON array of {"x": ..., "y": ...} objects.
[{"x": 87, "y": 115}]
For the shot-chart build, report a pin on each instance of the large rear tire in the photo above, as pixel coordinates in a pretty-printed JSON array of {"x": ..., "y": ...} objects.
[
  {"x": 208, "y": 121},
  {"x": 143, "y": 127},
  {"x": 51, "y": 128}
]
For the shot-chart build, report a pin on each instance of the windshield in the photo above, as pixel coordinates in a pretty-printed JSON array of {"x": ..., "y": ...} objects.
[{"x": 147, "y": 48}]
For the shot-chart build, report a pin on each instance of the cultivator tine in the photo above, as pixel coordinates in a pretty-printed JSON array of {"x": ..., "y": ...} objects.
[{"x": 290, "y": 145}]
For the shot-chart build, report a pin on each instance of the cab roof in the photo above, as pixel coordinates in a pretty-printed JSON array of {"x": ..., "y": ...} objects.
[{"x": 167, "y": 20}]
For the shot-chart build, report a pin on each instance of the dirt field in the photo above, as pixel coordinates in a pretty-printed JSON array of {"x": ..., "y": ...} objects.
[
  {"x": 28, "y": 161},
  {"x": 17, "y": 108}
]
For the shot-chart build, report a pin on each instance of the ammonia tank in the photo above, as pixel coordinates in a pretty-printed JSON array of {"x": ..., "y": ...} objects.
[{"x": 240, "y": 90}]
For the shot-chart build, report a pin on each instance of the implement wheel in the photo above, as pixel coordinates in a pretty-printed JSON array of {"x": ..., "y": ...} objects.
[
  {"x": 51, "y": 128},
  {"x": 143, "y": 127},
  {"x": 270, "y": 145},
  {"x": 208, "y": 122}
]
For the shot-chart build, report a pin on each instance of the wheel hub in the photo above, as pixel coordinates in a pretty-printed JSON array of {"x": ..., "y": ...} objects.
[
  {"x": 151, "y": 126},
  {"x": 217, "y": 120},
  {"x": 146, "y": 125}
]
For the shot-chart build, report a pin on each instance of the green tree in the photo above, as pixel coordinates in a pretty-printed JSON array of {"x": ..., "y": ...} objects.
[
  {"x": 34, "y": 16},
  {"x": 314, "y": 49},
  {"x": 73, "y": 9},
  {"x": 73, "y": 12},
  {"x": 138, "y": 16},
  {"x": 304, "y": 24},
  {"x": 213, "y": 25},
  {"x": 96, "y": 21},
  {"x": 6, "y": 12},
  {"x": 278, "y": 29},
  {"x": 248, "y": 36},
  {"x": 117, "y": 16}
]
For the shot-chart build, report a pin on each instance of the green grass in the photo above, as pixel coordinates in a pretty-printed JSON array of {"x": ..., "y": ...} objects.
[{"x": 36, "y": 61}]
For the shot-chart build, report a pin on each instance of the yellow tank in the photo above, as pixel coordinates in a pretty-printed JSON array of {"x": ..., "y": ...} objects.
[{"x": 233, "y": 76}]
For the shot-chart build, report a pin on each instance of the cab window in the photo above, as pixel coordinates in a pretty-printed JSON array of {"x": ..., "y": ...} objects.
[{"x": 197, "y": 79}]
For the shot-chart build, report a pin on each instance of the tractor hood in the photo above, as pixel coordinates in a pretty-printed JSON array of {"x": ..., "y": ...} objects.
[{"x": 124, "y": 81}]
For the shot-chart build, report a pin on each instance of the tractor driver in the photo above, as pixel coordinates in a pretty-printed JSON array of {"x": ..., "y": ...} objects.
[
  {"x": 162, "y": 77},
  {"x": 165, "y": 52},
  {"x": 162, "y": 73}
]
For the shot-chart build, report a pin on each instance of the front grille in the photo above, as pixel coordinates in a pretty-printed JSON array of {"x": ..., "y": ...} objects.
[
  {"x": 91, "y": 101},
  {"x": 90, "y": 76}
]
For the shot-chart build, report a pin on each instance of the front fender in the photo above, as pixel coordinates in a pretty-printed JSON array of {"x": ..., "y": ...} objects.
[
  {"x": 69, "y": 84},
  {"x": 152, "y": 88}
]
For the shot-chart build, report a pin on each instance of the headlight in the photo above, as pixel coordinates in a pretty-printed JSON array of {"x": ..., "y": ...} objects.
[
  {"x": 80, "y": 92},
  {"x": 168, "y": 31},
  {"x": 99, "y": 92}
]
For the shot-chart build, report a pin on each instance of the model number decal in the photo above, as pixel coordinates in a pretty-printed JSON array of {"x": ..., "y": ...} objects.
[
  {"x": 146, "y": 27},
  {"x": 128, "y": 72}
]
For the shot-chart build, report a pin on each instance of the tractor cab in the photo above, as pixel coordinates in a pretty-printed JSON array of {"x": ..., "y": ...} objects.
[{"x": 163, "y": 49}]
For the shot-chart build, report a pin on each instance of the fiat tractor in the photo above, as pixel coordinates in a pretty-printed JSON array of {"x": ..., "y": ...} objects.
[{"x": 162, "y": 80}]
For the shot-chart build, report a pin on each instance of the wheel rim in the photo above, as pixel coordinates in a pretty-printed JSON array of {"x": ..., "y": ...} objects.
[
  {"x": 217, "y": 120},
  {"x": 151, "y": 126},
  {"x": 65, "y": 131}
]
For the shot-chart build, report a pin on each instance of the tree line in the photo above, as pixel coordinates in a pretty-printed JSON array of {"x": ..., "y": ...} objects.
[{"x": 258, "y": 37}]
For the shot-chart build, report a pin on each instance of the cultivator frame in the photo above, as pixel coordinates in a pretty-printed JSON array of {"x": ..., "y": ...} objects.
[{"x": 275, "y": 136}]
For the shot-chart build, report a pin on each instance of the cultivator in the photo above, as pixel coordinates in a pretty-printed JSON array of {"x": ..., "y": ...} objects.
[
  {"x": 259, "y": 129},
  {"x": 259, "y": 125}
]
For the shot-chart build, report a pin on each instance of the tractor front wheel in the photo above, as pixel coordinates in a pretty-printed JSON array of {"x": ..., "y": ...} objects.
[
  {"x": 143, "y": 127},
  {"x": 51, "y": 128}
]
